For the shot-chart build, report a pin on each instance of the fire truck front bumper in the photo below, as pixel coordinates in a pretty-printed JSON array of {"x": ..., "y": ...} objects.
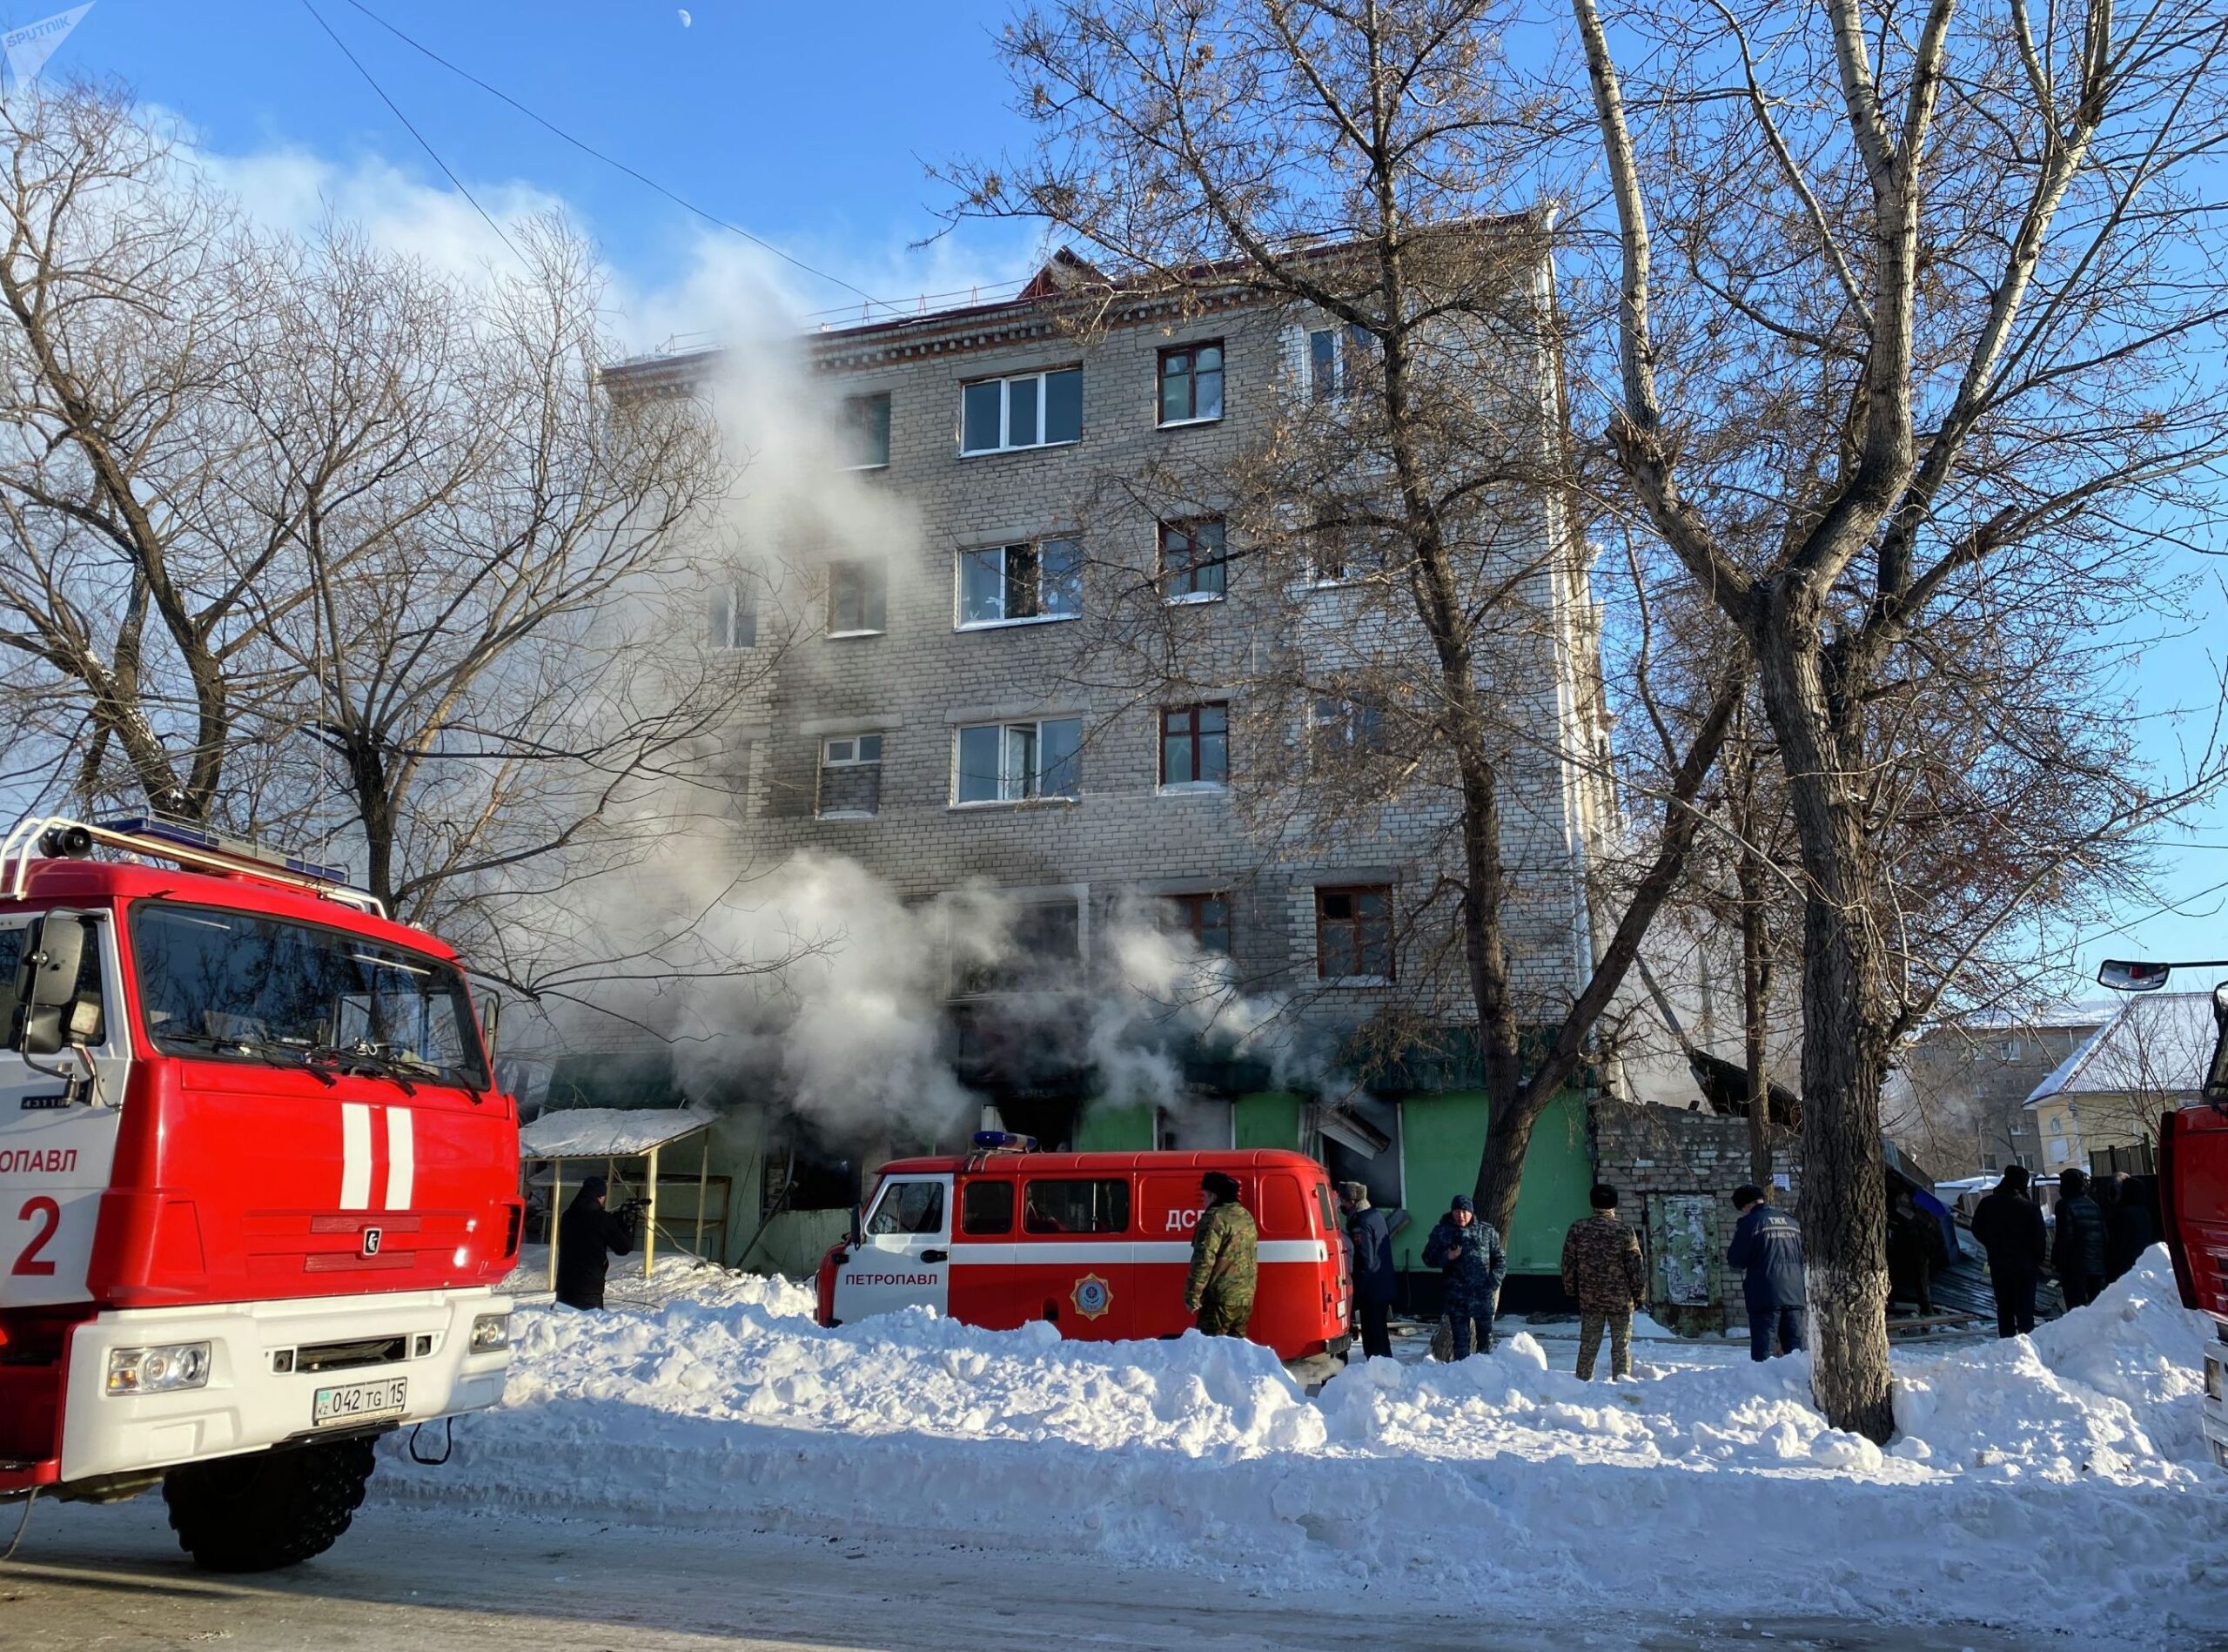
[{"x": 148, "y": 1388}]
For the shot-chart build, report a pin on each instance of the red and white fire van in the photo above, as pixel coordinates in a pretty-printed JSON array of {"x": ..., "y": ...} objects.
[
  {"x": 256, "y": 1184},
  {"x": 1096, "y": 1244}
]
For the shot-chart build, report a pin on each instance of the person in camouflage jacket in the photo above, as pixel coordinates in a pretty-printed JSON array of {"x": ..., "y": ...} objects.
[
  {"x": 1602, "y": 1269},
  {"x": 1226, "y": 1262}
]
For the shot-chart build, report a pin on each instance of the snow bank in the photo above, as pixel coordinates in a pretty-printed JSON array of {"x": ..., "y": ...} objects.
[{"x": 2057, "y": 1480}]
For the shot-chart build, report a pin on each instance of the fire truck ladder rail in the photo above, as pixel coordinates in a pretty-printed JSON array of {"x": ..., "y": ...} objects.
[{"x": 21, "y": 848}]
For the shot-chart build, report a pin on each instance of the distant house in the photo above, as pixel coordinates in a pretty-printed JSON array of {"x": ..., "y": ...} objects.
[
  {"x": 2099, "y": 1108},
  {"x": 1956, "y": 1097}
]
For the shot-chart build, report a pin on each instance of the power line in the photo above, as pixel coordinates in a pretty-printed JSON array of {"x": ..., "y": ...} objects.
[
  {"x": 589, "y": 149},
  {"x": 415, "y": 133}
]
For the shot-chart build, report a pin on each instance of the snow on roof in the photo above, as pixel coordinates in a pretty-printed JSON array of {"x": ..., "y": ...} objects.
[
  {"x": 607, "y": 1132},
  {"x": 2160, "y": 1043}
]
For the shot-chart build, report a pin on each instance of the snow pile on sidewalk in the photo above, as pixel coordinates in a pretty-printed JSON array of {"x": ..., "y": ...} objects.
[{"x": 2057, "y": 1480}]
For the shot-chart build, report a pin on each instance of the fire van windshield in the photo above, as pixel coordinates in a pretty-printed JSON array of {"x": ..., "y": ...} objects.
[{"x": 218, "y": 983}]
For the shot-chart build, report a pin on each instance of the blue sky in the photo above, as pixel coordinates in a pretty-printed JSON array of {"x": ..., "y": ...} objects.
[{"x": 809, "y": 125}]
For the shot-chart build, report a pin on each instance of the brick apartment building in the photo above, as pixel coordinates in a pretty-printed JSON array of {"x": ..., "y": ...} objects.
[{"x": 930, "y": 721}]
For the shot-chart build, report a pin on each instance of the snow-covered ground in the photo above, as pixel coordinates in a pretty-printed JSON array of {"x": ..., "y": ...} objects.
[{"x": 2052, "y": 1483}]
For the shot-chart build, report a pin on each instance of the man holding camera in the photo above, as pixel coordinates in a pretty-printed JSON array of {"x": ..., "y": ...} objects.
[{"x": 589, "y": 1236}]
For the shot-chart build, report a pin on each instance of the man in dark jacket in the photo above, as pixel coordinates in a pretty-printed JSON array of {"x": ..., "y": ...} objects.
[
  {"x": 2128, "y": 1219},
  {"x": 1468, "y": 1253},
  {"x": 1767, "y": 1248},
  {"x": 589, "y": 1236},
  {"x": 2009, "y": 1229},
  {"x": 2081, "y": 1249},
  {"x": 1370, "y": 1231}
]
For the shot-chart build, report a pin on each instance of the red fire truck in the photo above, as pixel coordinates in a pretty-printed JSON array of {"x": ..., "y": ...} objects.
[
  {"x": 1096, "y": 1244},
  {"x": 256, "y": 1184},
  {"x": 2193, "y": 1190}
]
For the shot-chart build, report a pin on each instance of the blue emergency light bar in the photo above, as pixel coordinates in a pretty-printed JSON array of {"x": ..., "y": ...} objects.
[
  {"x": 172, "y": 831},
  {"x": 1004, "y": 1141}
]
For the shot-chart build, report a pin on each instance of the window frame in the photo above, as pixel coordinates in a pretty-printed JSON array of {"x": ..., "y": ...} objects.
[
  {"x": 1188, "y": 529},
  {"x": 1161, "y": 419},
  {"x": 851, "y": 426},
  {"x": 1034, "y": 791},
  {"x": 1128, "y": 1205},
  {"x": 1005, "y": 381},
  {"x": 1352, "y": 728},
  {"x": 874, "y": 593},
  {"x": 1347, "y": 339},
  {"x": 739, "y": 597},
  {"x": 1358, "y": 953},
  {"x": 1037, "y": 548},
  {"x": 857, "y": 760},
  {"x": 1196, "y": 734},
  {"x": 1188, "y": 907}
]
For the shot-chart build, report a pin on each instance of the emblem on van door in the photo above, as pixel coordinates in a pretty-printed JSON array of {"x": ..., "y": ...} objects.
[
  {"x": 1092, "y": 1296},
  {"x": 371, "y": 1241}
]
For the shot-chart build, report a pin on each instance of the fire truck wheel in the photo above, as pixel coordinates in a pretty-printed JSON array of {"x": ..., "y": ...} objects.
[{"x": 272, "y": 1509}]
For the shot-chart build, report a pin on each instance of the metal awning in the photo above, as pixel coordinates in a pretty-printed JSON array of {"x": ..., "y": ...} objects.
[{"x": 607, "y": 1133}]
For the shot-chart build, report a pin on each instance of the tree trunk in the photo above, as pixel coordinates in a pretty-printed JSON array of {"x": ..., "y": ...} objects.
[{"x": 1843, "y": 1205}]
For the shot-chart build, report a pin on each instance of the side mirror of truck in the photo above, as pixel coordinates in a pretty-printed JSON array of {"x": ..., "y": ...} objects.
[
  {"x": 55, "y": 962},
  {"x": 491, "y": 1018},
  {"x": 2216, "y": 1075}
]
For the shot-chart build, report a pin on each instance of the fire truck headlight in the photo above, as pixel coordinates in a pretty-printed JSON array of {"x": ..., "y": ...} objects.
[
  {"x": 491, "y": 1331},
  {"x": 160, "y": 1370}
]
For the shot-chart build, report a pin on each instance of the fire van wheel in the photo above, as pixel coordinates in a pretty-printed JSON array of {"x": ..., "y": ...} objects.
[{"x": 273, "y": 1508}]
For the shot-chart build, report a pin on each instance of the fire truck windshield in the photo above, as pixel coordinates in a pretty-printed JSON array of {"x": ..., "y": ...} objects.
[{"x": 218, "y": 982}]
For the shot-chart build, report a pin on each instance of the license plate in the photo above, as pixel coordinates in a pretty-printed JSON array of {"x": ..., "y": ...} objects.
[{"x": 361, "y": 1401}]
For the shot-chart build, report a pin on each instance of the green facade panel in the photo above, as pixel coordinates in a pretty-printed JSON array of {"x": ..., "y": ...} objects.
[
  {"x": 1441, "y": 1138},
  {"x": 1268, "y": 1119},
  {"x": 1116, "y": 1130}
]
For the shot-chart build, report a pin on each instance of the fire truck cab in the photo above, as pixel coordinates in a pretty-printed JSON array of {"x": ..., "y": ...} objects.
[
  {"x": 1097, "y": 1245},
  {"x": 256, "y": 1184},
  {"x": 2193, "y": 1191}
]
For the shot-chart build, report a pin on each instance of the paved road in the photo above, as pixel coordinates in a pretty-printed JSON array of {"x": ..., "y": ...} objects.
[{"x": 103, "y": 1578}]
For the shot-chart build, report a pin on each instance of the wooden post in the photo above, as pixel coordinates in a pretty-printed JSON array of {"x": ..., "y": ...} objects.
[
  {"x": 703, "y": 1170},
  {"x": 556, "y": 1196},
  {"x": 650, "y": 1231}
]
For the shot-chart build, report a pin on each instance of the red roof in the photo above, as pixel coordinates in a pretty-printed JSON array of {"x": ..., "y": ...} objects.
[
  {"x": 106, "y": 881},
  {"x": 1053, "y": 1163}
]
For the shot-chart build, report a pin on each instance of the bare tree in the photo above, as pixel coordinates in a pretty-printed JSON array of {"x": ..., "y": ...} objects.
[
  {"x": 1350, "y": 162},
  {"x": 145, "y": 517},
  {"x": 1910, "y": 304}
]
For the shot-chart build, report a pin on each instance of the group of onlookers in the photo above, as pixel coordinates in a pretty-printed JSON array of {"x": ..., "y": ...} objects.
[{"x": 2102, "y": 1230}]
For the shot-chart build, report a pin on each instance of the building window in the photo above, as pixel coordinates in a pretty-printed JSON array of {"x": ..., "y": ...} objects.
[
  {"x": 1192, "y": 564},
  {"x": 731, "y": 614},
  {"x": 1337, "y": 727},
  {"x": 850, "y": 777},
  {"x": 1353, "y": 933},
  {"x": 1195, "y": 745},
  {"x": 1333, "y": 354},
  {"x": 1033, "y": 410},
  {"x": 1012, "y": 762},
  {"x": 866, "y": 431},
  {"x": 1044, "y": 947},
  {"x": 1007, "y": 584},
  {"x": 1338, "y": 558},
  {"x": 1191, "y": 383},
  {"x": 856, "y": 600},
  {"x": 1206, "y": 918}
]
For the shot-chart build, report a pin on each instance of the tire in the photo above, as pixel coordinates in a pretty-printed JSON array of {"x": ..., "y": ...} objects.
[{"x": 270, "y": 1508}]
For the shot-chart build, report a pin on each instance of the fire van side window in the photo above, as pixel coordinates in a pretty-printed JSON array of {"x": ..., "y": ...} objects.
[
  {"x": 986, "y": 1208},
  {"x": 1076, "y": 1207},
  {"x": 909, "y": 1207}
]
